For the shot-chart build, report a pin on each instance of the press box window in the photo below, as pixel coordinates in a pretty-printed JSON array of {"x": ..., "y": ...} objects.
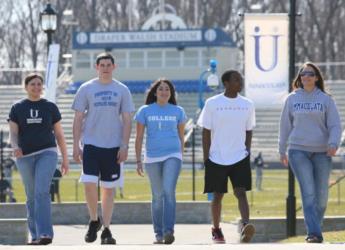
[
  {"x": 172, "y": 59},
  {"x": 83, "y": 61},
  {"x": 207, "y": 55},
  {"x": 154, "y": 59},
  {"x": 121, "y": 59},
  {"x": 191, "y": 58},
  {"x": 136, "y": 59}
]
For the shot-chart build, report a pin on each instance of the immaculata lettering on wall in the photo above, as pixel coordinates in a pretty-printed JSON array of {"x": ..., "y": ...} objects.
[{"x": 266, "y": 58}]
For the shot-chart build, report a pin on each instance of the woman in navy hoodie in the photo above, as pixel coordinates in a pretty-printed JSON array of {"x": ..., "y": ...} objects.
[{"x": 310, "y": 131}]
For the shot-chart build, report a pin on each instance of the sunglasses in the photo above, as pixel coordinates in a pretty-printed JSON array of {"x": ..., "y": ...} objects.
[{"x": 307, "y": 73}]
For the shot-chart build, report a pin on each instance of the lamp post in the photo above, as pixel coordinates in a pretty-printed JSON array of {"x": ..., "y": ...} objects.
[
  {"x": 2, "y": 180},
  {"x": 291, "y": 199},
  {"x": 212, "y": 80},
  {"x": 48, "y": 22}
]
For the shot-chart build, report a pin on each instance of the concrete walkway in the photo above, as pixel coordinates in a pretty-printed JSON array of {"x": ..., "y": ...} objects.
[
  {"x": 185, "y": 234},
  {"x": 140, "y": 237}
]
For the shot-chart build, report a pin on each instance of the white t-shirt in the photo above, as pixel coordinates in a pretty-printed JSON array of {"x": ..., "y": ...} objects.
[{"x": 228, "y": 119}]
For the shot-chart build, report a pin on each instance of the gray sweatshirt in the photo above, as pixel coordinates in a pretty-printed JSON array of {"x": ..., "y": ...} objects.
[{"x": 310, "y": 121}]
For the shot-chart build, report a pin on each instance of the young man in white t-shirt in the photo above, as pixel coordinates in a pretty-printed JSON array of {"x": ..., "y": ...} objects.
[{"x": 227, "y": 120}]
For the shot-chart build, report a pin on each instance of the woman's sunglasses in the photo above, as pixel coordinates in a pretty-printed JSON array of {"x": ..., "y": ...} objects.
[{"x": 307, "y": 73}]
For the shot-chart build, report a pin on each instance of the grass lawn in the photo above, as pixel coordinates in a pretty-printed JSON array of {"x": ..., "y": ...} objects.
[{"x": 331, "y": 237}]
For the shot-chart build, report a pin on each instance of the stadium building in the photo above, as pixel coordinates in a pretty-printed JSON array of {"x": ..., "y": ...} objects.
[{"x": 142, "y": 56}]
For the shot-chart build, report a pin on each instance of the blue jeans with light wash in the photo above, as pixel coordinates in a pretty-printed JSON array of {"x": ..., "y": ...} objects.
[
  {"x": 312, "y": 171},
  {"x": 163, "y": 178},
  {"x": 37, "y": 172}
]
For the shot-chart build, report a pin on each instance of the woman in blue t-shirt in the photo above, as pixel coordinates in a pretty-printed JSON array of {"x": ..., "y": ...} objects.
[
  {"x": 164, "y": 122},
  {"x": 34, "y": 127}
]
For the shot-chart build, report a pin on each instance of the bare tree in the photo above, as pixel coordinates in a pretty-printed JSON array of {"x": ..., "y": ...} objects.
[
  {"x": 30, "y": 25},
  {"x": 318, "y": 35},
  {"x": 63, "y": 34},
  {"x": 13, "y": 43},
  {"x": 145, "y": 9}
]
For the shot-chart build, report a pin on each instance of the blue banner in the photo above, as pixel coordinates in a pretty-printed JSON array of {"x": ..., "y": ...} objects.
[{"x": 151, "y": 39}]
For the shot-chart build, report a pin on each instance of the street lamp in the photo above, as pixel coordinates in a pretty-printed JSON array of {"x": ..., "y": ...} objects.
[
  {"x": 48, "y": 22},
  {"x": 2, "y": 181},
  {"x": 291, "y": 199},
  {"x": 4, "y": 184},
  {"x": 212, "y": 80}
]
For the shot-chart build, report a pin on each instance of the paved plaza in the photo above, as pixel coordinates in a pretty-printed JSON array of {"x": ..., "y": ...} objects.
[{"x": 140, "y": 237}]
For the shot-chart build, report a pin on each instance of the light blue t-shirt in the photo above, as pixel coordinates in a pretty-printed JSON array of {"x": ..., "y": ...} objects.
[{"x": 161, "y": 124}]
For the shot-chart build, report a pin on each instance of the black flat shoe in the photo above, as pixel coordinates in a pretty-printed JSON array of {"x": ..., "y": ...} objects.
[
  {"x": 32, "y": 243},
  {"x": 313, "y": 239},
  {"x": 45, "y": 241}
]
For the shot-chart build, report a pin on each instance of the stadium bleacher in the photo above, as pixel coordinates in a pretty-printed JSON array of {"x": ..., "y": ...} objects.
[{"x": 136, "y": 87}]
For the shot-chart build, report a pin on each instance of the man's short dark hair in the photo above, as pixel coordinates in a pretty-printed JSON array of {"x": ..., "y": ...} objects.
[
  {"x": 105, "y": 55},
  {"x": 231, "y": 75}
]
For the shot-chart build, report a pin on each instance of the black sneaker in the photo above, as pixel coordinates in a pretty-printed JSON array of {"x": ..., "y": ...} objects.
[
  {"x": 169, "y": 238},
  {"x": 217, "y": 236},
  {"x": 247, "y": 233},
  {"x": 94, "y": 227},
  {"x": 159, "y": 240},
  {"x": 314, "y": 239},
  {"x": 45, "y": 241},
  {"x": 107, "y": 238},
  {"x": 33, "y": 242}
]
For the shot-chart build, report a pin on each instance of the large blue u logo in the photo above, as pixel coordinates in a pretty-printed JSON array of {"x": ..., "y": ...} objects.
[{"x": 257, "y": 50}]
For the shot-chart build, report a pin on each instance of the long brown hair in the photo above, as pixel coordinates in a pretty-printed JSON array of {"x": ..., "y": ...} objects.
[
  {"x": 297, "y": 83},
  {"x": 151, "y": 94}
]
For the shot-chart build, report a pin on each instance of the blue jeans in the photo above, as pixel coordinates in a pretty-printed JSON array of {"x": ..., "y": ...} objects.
[
  {"x": 163, "y": 178},
  {"x": 312, "y": 171},
  {"x": 37, "y": 173}
]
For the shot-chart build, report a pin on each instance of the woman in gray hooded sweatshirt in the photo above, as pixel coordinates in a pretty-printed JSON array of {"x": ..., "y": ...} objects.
[{"x": 310, "y": 130}]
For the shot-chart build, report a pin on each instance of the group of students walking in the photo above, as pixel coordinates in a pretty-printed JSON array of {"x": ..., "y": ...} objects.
[{"x": 101, "y": 131}]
